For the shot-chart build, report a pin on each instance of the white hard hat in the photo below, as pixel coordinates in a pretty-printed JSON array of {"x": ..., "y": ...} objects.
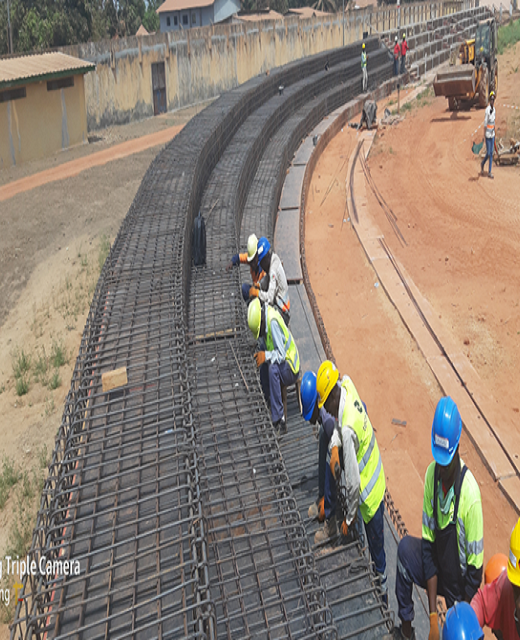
[
  {"x": 396, "y": 38},
  {"x": 252, "y": 243}
]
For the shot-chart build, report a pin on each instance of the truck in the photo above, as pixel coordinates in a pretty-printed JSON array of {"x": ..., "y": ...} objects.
[{"x": 475, "y": 73}]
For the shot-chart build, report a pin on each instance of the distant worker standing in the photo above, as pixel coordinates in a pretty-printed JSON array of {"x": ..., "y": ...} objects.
[
  {"x": 364, "y": 58},
  {"x": 448, "y": 560},
  {"x": 249, "y": 257},
  {"x": 276, "y": 292},
  {"x": 497, "y": 604},
  {"x": 404, "y": 49},
  {"x": 279, "y": 362},
  {"x": 489, "y": 133},
  {"x": 397, "y": 53}
]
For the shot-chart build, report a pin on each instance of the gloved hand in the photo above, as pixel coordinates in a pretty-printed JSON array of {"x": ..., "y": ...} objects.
[
  {"x": 335, "y": 466},
  {"x": 344, "y": 528},
  {"x": 434, "y": 627},
  {"x": 253, "y": 292},
  {"x": 229, "y": 266},
  {"x": 260, "y": 358}
]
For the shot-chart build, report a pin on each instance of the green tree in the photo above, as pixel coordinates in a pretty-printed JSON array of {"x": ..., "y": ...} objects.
[{"x": 151, "y": 17}]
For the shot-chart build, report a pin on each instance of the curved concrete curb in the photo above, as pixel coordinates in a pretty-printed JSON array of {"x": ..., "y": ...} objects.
[{"x": 492, "y": 431}]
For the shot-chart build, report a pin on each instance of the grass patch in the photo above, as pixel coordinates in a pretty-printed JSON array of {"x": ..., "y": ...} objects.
[
  {"x": 21, "y": 363},
  {"x": 508, "y": 36},
  {"x": 41, "y": 368},
  {"x": 8, "y": 478},
  {"x": 21, "y": 386},
  {"x": 104, "y": 250},
  {"x": 55, "y": 381},
  {"x": 58, "y": 355}
]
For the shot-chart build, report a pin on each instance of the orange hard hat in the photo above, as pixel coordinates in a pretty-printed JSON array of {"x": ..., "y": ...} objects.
[{"x": 495, "y": 566}]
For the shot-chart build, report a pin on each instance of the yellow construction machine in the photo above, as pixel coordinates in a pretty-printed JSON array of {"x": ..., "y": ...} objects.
[{"x": 475, "y": 72}]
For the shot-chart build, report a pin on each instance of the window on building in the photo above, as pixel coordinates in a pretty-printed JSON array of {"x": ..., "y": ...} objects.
[
  {"x": 185, "y": 19},
  {"x": 61, "y": 83},
  {"x": 168, "y": 21},
  {"x": 175, "y": 21},
  {"x": 193, "y": 18},
  {"x": 12, "y": 94}
]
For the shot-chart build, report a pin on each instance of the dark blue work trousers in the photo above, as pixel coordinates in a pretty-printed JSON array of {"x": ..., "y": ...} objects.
[
  {"x": 410, "y": 571},
  {"x": 272, "y": 377},
  {"x": 326, "y": 482}
]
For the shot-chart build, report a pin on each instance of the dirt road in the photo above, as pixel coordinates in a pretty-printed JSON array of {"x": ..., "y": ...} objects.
[{"x": 463, "y": 240}]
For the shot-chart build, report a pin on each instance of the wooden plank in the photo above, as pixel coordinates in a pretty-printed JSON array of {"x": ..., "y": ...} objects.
[{"x": 114, "y": 379}]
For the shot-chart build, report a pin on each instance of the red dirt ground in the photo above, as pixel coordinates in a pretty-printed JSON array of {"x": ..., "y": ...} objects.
[{"x": 463, "y": 241}]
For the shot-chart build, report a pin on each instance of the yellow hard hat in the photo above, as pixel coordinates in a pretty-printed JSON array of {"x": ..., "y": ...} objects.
[
  {"x": 252, "y": 244},
  {"x": 404, "y": 36},
  {"x": 513, "y": 568},
  {"x": 326, "y": 379},
  {"x": 492, "y": 94},
  {"x": 254, "y": 317},
  {"x": 363, "y": 45}
]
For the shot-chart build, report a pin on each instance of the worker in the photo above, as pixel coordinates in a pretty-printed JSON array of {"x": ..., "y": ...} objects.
[
  {"x": 489, "y": 133},
  {"x": 404, "y": 49},
  {"x": 250, "y": 257},
  {"x": 276, "y": 293},
  {"x": 448, "y": 560},
  {"x": 461, "y": 624},
  {"x": 279, "y": 361},
  {"x": 397, "y": 53},
  {"x": 325, "y": 506},
  {"x": 497, "y": 604},
  {"x": 364, "y": 67},
  {"x": 364, "y": 475}
]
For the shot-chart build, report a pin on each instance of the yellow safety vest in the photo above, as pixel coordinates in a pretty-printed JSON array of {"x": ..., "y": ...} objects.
[
  {"x": 371, "y": 473},
  {"x": 291, "y": 351}
]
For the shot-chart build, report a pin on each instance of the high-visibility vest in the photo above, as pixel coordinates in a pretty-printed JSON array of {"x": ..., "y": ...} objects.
[
  {"x": 371, "y": 472},
  {"x": 363, "y": 59},
  {"x": 291, "y": 351}
]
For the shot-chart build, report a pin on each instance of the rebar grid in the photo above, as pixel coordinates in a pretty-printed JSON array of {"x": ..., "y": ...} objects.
[{"x": 157, "y": 530}]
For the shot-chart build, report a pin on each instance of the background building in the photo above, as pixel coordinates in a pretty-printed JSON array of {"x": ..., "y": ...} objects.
[
  {"x": 42, "y": 106},
  {"x": 187, "y": 14}
]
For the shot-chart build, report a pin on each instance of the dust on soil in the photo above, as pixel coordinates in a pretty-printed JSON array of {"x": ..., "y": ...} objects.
[
  {"x": 463, "y": 240},
  {"x": 53, "y": 241}
]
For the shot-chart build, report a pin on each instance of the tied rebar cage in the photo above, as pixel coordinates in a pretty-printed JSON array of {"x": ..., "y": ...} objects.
[{"x": 171, "y": 493}]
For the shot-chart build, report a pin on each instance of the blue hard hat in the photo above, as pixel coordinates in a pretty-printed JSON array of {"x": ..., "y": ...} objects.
[
  {"x": 263, "y": 248},
  {"x": 446, "y": 430},
  {"x": 462, "y": 623},
  {"x": 308, "y": 394}
]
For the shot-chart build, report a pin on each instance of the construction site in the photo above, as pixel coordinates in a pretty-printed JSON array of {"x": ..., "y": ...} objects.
[{"x": 171, "y": 507}]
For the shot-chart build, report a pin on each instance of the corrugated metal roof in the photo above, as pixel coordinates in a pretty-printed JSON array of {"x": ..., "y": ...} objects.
[
  {"x": 15, "y": 71},
  {"x": 182, "y": 5}
]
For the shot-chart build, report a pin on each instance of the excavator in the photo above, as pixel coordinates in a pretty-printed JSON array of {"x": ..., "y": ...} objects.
[{"x": 475, "y": 72}]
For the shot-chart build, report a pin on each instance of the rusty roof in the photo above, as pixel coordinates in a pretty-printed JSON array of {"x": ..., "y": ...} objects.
[
  {"x": 182, "y": 5},
  {"x": 307, "y": 12},
  {"x": 23, "y": 69},
  {"x": 260, "y": 15}
]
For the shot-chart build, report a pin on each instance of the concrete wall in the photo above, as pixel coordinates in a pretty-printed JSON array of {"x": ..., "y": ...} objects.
[
  {"x": 202, "y": 63},
  {"x": 42, "y": 123}
]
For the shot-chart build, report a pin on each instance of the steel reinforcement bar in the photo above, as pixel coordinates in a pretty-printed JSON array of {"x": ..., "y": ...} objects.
[{"x": 170, "y": 495}]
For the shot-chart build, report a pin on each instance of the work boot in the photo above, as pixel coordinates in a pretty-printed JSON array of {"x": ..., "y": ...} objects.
[
  {"x": 280, "y": 427},
  {"x": 329, "y": 530},
  {"x": 317, "y": 510},
  {"x": 399, "y": 635},
  {"x": 491, "y": 176}
]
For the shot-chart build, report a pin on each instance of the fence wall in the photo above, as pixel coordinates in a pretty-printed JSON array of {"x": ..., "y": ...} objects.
[{"x": 202, "y": 63}]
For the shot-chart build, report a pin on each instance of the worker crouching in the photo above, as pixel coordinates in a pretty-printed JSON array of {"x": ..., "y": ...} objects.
[
  {"x": 364, "y": 475},
  {"x": 448, "y": 560},
  {"x": 279, "y": 361}
]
